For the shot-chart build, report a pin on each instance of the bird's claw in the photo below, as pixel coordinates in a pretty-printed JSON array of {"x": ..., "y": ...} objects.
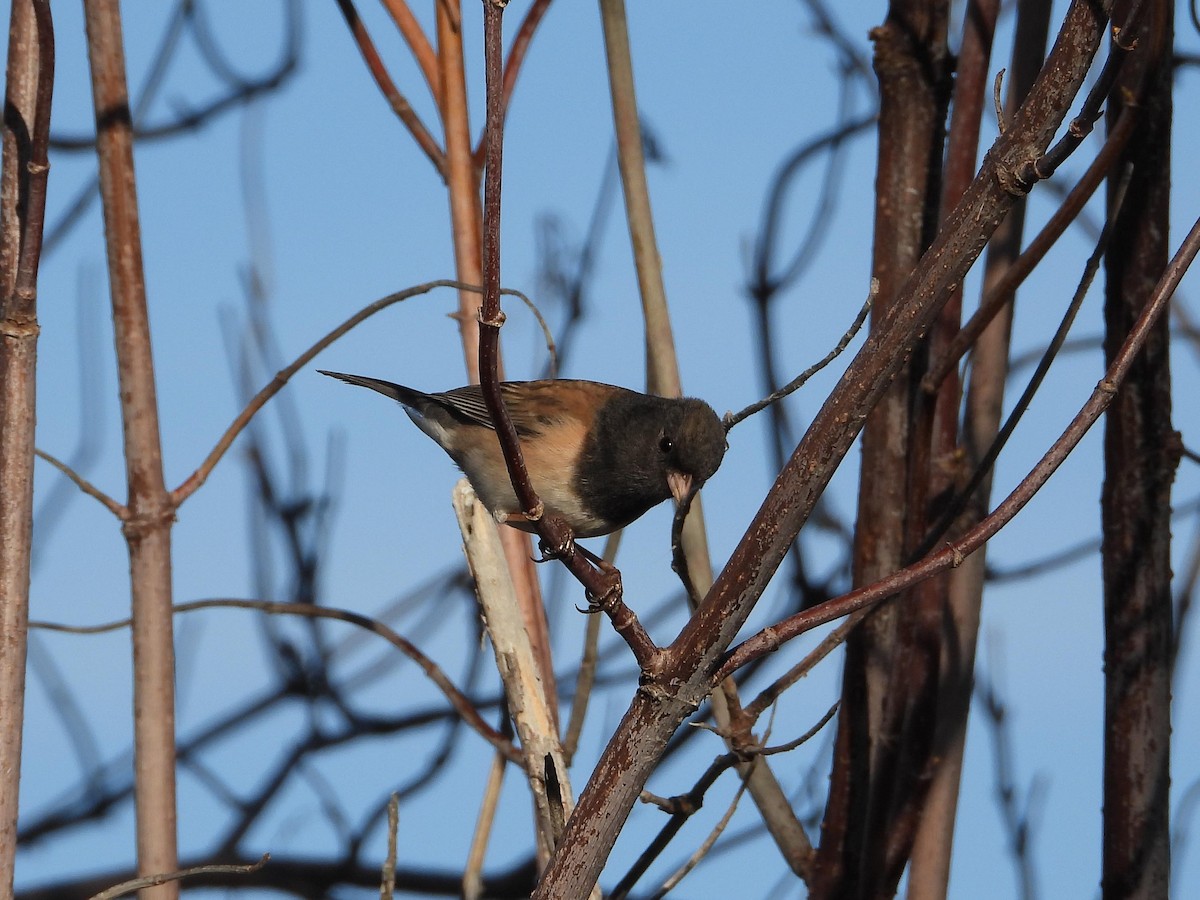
[{"x": 565, "y": 549}]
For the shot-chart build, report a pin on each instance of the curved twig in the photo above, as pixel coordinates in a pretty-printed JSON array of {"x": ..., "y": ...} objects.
[{"x": 190, "y": 485}]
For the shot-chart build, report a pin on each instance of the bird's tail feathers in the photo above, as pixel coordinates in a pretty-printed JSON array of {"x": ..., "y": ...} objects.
[{"x": 397, "y": 392}]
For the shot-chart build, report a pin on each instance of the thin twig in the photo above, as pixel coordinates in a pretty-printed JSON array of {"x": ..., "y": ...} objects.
[
  {"x": 1000, "y": 293},
  {"x": 136, "y": 884},
  {"x": 198, "y": 477},
  {"x": 117, "y": 509},
  {"x": 732, "y": 419},
  {"x": 702, "y": 851},
  {"x": 1081, "y": 126},
  {"x": 418, "y": 44},
  {"x": 984, "y": 466}
]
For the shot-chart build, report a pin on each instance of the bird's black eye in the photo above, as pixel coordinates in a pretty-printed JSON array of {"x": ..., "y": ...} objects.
[{"x": 665, "y": 444}]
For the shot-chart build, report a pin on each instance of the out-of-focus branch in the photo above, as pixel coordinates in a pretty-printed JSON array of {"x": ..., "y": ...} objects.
[
  {"x": 418, "y": 44},
  {"x": 136, "y": 884},
  {"x": 461, "y": 704},
  {"x": 29, "y": 86},
  {"x": 398, "y": 102}
]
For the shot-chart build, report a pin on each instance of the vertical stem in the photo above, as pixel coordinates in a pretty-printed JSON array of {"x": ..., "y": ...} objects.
[
  {"x": 952, "y": 630},
  {"x": 662, "y": 368},
  {"x": 662, "y": 377},
  {"x": 151, "y": 512},
  {"x": 462, "y": 178},
  {"x": 466, "y": 222},
  {"x": 1141, "y": 452},
  {"x": 910, "y": 60},
  {"x": 29, "y": 85}
]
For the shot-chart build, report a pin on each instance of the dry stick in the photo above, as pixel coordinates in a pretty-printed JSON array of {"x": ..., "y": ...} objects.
[
  {"x": 459, "y": 701},
  {"x": 418, "y": 44},
  {"x": 654, "y": 713},
  {"x": 28, "y": 91},
  {"x": 472, "y": 880},
  {"x": 400, "y": 105},
  {"x": 387, "y": 887},
  {"x": 771, "y": 639},
  {"x": 137, "y": 884},
  {"x": 259, "y": 400},
  {"x": 545, "y": 765},
  {"x": 693, "y": 561},
  {"x": 147, "y": 531}
]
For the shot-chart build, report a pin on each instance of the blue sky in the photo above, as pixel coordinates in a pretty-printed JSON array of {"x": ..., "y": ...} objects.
[{"x": 354, "y": 212}]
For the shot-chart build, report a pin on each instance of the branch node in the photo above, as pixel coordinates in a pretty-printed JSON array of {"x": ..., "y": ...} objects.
[
  {"x": 1117, "y": 34},
  {"x": 1016, "y": 180},
  {"x": 14, "y": 328},
  {"x": 495, "y": 321}
]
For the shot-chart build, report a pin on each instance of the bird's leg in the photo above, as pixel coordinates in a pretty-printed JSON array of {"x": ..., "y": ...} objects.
[{"x": 609, "y": 598}]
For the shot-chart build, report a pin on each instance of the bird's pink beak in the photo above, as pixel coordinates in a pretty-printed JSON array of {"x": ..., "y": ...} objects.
[{"x": 680, "y": 485}]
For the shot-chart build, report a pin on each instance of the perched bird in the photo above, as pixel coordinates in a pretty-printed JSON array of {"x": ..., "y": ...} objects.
[{"x": 598, "y": 456}]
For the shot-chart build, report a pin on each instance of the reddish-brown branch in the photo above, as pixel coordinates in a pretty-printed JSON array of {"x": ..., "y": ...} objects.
[
  {"x": 603, "y": 587},
  {"x": 28, "y": 90},
  {"x": 466, "y": 222},
  {"x": 912, "y": 63},
  {"x": 1141, "y": 454},
  {"x": 418, "y": 44},
  {"x": 152, "y": 512},
  {"x": 771, "y": 639},
  {"x": 512, "y": 66},
  {"x": 398, "y": 102}
]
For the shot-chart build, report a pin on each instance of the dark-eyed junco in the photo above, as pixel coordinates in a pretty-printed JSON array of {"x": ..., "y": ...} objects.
[{"x": 598, "y": 456}]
